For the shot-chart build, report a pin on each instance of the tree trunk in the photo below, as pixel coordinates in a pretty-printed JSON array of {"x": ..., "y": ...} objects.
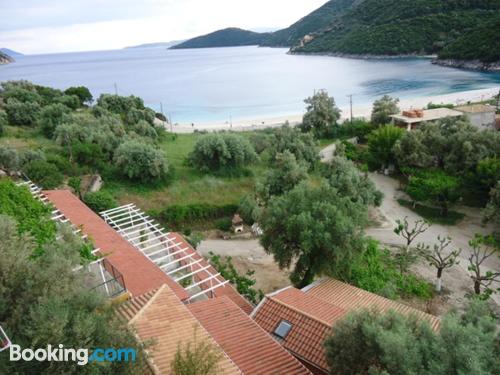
[
  {"x": 477, "y": 287},
  {"x": 439, "y": 280}
]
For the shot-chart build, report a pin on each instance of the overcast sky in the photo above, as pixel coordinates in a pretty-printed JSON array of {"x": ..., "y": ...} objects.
[{"x": 46, "y": 26}]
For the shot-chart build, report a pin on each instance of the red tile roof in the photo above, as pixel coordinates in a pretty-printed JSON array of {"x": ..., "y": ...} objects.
[
  {"x": 349, "y": 297},
  {"x": 166, "y": 322},
  {"x": 140, "y": 274},
  {"x": 248, "y": 345},
  {"x": 315, "y": 309}
]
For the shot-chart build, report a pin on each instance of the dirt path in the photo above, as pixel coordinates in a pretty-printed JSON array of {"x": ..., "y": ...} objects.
[
  {"x": 249, "y": 255},
  {"x": 456, "y": 280}
]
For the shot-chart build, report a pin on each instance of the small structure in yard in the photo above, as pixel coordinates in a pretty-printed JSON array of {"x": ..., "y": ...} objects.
[
  {"x": 237, "y": 224},
  {"x": 480, "y": 115},
  {"x": 412, "y": 118}
]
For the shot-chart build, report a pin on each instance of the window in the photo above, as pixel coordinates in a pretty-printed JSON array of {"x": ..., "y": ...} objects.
[{"x": 283, "y": 329}]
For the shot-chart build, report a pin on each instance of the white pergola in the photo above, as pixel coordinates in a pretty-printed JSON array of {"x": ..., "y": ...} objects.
[
  {"x": 173, "y": 257},
  {"x": 96, "y": 267}
]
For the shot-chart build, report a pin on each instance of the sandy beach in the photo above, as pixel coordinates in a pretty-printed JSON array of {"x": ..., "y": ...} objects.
[{"x": 456, "y": 98}]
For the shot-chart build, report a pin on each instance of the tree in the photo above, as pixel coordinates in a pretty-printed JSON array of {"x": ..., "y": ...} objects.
[
  {"x": 43, "y": 301},
  {"x": 492, "y": 210},
  {"x": 315, "y": 228},
  {"x": 84, "y": 95},
  {"x": 403, "y": 229},
  {"x": 140, "y": 161},
  {"x": 217, "y": 152},
  {"x": 196, "y": 358},
  {"x": 488, "y": 171},
  {"x": 23, "y": 114},
  {"x": 321, "y": 114},
  {"x": 371, "y": 342},
  {"x": 412, "y": 151},
  {"x": 438, "y": 259},
  {"x": 480, "y": 252},
  {"x": 52, "y": 116},
  {"x": 343, "y": 175},
  {"x": 436, "y": 187},
  {"x": 383, "y": 108},
  {"x": 286, "y": 173},
  {"x": 381, "y": 144},
  {"x": 70, "y": 101},
  {"x": 302, "y": 145},
  {"x": 9, "y": 159},
  {"x": 43, "y": 173},
  {"x": 99, "y": 201}
]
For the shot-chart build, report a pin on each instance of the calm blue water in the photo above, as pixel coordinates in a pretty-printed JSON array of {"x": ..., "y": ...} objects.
[{"x": 204, "y": 85}]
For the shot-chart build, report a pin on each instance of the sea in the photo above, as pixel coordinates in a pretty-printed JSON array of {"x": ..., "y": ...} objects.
[{"x": 222, "y": 84}]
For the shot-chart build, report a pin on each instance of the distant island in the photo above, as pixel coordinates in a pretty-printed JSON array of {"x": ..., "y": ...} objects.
[
  {"x": 5, "y": 59},
  {"x": 10, "y": 52},
  {"x": 157, "y": 45},
  {"x": 230, "y": 37},
  {"x": 459, "y": 33}
]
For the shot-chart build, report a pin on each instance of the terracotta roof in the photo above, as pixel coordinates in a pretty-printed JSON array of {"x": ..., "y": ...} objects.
[
  {"x": 349, "y": 297},
  {"x": 140, "y": 274},
  {"x": 311, "y": 321},
  {"x": 167, "y": 322},
  {"x": 247, "y": 344},
  {"x": 313, "y": 310},
  {"x": 227, "y": 290}
]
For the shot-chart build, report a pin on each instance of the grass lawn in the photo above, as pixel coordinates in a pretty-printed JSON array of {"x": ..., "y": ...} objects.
[
  {"x": 188, "y": 185},
  {"x": 433, "y": 214}
]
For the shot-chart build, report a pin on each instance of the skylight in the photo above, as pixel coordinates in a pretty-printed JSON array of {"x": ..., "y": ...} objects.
[{"x": 283, "y": 329}]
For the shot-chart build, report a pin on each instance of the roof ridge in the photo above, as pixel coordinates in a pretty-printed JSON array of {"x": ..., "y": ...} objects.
[
  {"x": 153, "y": 298},
  {"x": 303, "y": 312}
]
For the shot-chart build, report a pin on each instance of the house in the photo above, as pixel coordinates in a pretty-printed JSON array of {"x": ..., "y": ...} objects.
[
  {"x": 301, "y": 320},
  {"x": 173, "y": 293},
  {"x": 412, "y": 118},
  {"x": 480, "y": 115}
]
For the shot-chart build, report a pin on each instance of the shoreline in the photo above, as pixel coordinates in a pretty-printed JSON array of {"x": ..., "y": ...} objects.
[{"x": 362, "y": 111}]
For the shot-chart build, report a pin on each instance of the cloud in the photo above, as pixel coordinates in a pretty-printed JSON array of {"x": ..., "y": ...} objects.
[{"x": 31, "y": 26}]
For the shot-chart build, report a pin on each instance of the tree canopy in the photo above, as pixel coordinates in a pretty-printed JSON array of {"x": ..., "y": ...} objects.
[
  {"x": 381, "y": 144},
  {"x": 383, "y": 108},
  {"x": 321, "y": 114}
]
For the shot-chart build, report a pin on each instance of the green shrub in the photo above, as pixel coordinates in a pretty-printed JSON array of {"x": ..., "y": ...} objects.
[
  {"x": 83, "y": 94},
  {"x": 140, "y": 161},
  {"x": 3, "y": 122},
  {"x": 89, "y": 154},
  {"x": 177, "y": 215},
  {"x": 100, "y": 201},
  {"x": 44, "y": 174},
  {"x": 20, "y": 113},
  {"x": 70, "y": 101},
  {"x": 51, "y": 116},
  {"x": 224, "y": 224},
  {"x": 9, "y": 159}
]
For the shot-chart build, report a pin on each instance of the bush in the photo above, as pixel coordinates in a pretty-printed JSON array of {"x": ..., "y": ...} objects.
[
  {"x": 224, "y": 224},
  {"x": 88, "y": 154},
  {"x": 3, "y": 122},
  {"x": 51, "y": 116},
  {"x": 215, "y": 152},
  {"x": 70, "y": 101},
  {"x": 83, "y": 94},
  {"x": 19, "y": 113},
  {"x": 100, "y": 201},
  {"x": 139, "y": 161},
  {"x": 9, "y": 159},
  {"x": 177, "y": 215},
  {"x": 119, "y": 104},
  {"x": 43, "y": 173}
]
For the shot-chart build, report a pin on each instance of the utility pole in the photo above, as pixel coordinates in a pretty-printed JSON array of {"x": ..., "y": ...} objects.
[
  {"x": 350, "y": 102},
  {"x": 498, "y": 100},
  {"x": 116, "y": 88}
]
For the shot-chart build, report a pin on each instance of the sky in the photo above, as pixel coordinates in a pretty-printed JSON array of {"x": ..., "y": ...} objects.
[{"x": 51, "y": 26}]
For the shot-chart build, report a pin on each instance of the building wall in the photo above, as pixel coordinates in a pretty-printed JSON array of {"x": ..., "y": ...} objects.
[{"x": 482, "y": 119}]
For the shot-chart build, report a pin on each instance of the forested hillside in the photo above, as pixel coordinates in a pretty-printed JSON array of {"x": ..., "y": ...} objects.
[
  {"x": 224, "y": 38},
  {"x": 463, "y": 29}
]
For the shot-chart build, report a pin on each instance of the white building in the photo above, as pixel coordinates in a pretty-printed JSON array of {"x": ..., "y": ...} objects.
[{"x": 480, "y": 115}]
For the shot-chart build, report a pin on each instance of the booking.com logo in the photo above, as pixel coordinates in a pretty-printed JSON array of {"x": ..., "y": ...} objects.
[{"x": 61, "y": 354}]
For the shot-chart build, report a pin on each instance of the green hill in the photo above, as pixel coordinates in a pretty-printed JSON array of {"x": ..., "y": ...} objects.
[
  {"x": 230, "y": 37},
  {"x": 399, "y": 27},
  {"x": 314, "y": 22}
]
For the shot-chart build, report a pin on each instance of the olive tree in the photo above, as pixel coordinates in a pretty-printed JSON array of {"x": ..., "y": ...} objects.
[
  {"x": 321, "y": 114},
  {"x": 492, "y": 210},
  {"x": 83, "y": 93},
  {"x": 409, "y": 233},
  {"x": 141, "y": 161},
  {"x": 383, "y": 108},
  {"x": 52, "y": 116},
  {"x": 314, "y": 228},
  {"x": 3, "y": 122},
  {"x": 216, "y": 152},
  {"x": 19, "y": 113},
  {"x": 301, "y": 145},
  {"x": 483, "y": 279}
]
